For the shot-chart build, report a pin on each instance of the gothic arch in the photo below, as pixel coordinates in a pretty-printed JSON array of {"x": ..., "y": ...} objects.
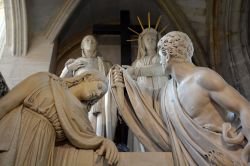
[
  {"x": 16, "y": 27},
  {"x": 61, "y": 18}
]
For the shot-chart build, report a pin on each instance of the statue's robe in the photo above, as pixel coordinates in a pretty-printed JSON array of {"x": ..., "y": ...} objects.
[
  {"x": 149, "y": 82},
  {"x": 49, "y": 114},
  {"x": 191, "y": 143},
  {"x": 153, "y": 82},
  {"x": 172, "y": 129},
  {"x": 140, "y": 115}
]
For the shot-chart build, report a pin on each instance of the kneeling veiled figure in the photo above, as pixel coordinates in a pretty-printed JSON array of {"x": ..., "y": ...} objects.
[{"x": 44, "y": 110}]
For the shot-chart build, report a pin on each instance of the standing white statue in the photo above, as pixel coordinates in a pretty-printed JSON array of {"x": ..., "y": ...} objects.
[
  {"x": 206, "y": 121},
  {"x": 146, "y": 57},
  {"x": 90, "y": 59}
]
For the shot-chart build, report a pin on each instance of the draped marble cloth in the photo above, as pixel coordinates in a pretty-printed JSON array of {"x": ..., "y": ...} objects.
[
  {"x": 191, "y": 143},
  {"x": 140, "y": 115},
  {"x": 49, "y": 114},
  {"x": 150, "y": 82},
  {"x": 154, "y": 82},
  {"x": 171, "y": 129}
]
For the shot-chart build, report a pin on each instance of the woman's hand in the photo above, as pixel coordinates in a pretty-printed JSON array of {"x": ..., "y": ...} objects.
[
  {"x": 76, "y": 65},
  {"x": 131, "y": 71},
  {"x": 110, "y": 151}
]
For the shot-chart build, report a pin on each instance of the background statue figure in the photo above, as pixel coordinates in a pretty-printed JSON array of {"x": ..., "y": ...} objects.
[
  {"x": 149, "y": 81},
  {"x": 204, "y": 121},
  {"x": 147, "y": 56},
  {"x": 44, "y": 110},
  {"x": 90, "y": 59}
]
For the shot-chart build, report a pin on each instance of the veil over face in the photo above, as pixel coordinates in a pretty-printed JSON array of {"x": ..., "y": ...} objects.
[{"x": 141, "y": 45}]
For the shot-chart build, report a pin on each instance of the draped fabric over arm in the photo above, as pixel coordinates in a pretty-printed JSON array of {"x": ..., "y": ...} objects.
[
  {"x": 110, "y": 112},
  {"x": 144, "y": 121},
  {"x": 191, "y": 143}
]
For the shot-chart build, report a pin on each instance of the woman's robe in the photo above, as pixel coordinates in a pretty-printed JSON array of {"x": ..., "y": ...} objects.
[{"x": 49, "y": 114}]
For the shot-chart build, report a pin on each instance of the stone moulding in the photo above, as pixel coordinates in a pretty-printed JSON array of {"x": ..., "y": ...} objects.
[
  {"x": 59, "y": 20},
  {"x": 16, "y": 26}
]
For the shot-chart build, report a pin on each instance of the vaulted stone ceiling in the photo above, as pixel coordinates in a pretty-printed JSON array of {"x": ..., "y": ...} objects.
[{"x": 218, "y": 29}]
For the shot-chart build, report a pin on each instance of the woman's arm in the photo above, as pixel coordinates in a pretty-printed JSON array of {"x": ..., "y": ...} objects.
[
  {"x": 16, "y": 95},
  {"x": 66, "y": 73},
  {"x": 150, "y": 70}
]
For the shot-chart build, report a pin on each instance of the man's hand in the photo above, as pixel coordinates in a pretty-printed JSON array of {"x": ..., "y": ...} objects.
[
  {"x": 212, "y": 127},
  {"x": 110, "y": 151},
  {"x": 117, "y": 77},
  {"x": 244, "y": 118}
]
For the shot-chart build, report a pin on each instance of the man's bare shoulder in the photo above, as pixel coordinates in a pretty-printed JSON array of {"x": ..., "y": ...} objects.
[{"x": 209, "y": 79}]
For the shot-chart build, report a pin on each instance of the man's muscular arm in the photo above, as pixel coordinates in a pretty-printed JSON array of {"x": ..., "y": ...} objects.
[
  {"x": 227, "y": 97},
  {"x": 221, "y": 92}
]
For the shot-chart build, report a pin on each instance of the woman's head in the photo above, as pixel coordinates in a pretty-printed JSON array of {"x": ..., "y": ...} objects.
[
  {"x": 88, "y": 87},
  {"x": 88, "y": 44},
  {"x": 147, "y": 40}
]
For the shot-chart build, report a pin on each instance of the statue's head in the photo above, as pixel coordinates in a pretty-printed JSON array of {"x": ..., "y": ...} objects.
[
  {"x": 175, "y": 45},
  {"x": 90, "y": 86},
  {"x": 89, "y": 44},
  {"x": 147, "y": 40}
]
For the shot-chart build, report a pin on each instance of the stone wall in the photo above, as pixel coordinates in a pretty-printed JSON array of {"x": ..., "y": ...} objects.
[{"x": 16, "y": 68}]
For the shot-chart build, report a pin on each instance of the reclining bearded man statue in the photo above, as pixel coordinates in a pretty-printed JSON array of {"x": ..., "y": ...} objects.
[{"x": 203, "y": 120}]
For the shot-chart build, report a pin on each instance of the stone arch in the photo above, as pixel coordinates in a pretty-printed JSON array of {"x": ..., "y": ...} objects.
[{"x": 16, "y": 27}]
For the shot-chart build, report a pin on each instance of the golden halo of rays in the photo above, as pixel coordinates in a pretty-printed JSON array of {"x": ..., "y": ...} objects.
[
  {"x": 133, "y": 31},
  {"x": 149, "y": 26},
  {"x": 158, "y": 22},
  {"x": 149, "y": 20},
  {"x": 164, "y": 28},
  {"x": 139, "y": 20}
]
